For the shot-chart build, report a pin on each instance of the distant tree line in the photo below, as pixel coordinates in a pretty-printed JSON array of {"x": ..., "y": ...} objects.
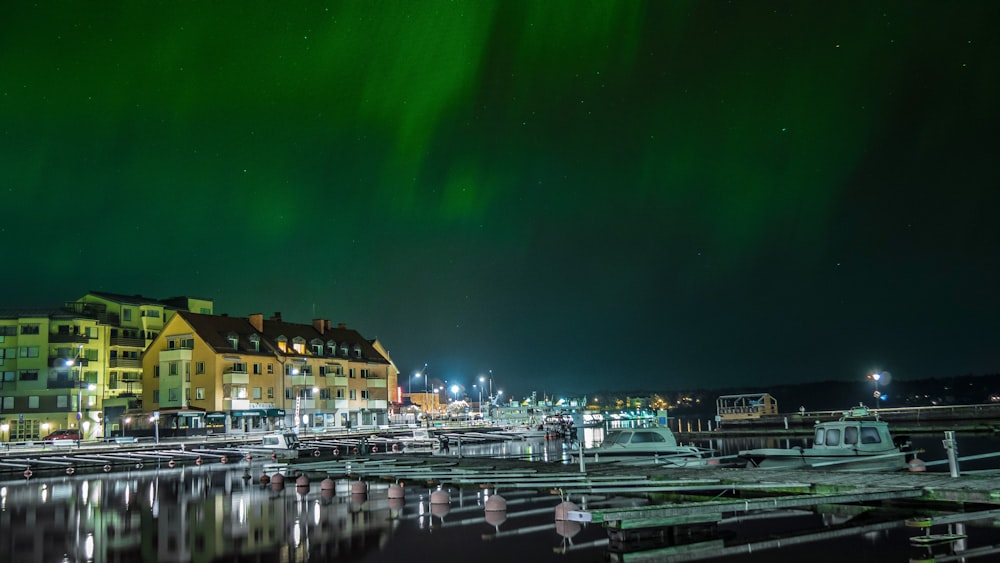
[{"x": 821, "y": 395}]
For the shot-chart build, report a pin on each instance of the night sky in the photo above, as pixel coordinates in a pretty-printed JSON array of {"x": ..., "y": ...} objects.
[{"x": 577, "y": 195}]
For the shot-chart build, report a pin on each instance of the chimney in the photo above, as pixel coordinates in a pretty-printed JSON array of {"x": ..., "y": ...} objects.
[
  {"x": 276, "y": 316},
  {"x": 326, "y": 324},
  {"x": 257, "y": 321},
  {"x": 320, "y": 325},
  {"x": 341, "y": 325}
]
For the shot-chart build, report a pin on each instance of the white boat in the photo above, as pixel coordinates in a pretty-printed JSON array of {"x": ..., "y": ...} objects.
[
  {"x": 279, "y": 445},
  {"x": 858, "y": 441},
  {"x": 654, "y": 443},
  {"x": 421, "y": 441}
]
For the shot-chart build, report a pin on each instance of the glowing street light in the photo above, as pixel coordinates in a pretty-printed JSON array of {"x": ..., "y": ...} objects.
[{"x": 454, "y": 391}]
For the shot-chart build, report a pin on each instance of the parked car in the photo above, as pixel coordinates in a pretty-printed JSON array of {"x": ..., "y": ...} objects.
[{"x": 64, "y": 434}]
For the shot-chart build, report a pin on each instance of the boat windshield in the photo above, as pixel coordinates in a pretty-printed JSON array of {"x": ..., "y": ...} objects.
[{"x": 617, "y": 438}]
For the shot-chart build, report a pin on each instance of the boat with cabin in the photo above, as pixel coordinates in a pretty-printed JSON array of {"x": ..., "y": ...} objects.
[
  {"x": 650, "y": 443},
  {"x": 277, "y": 445},
  {"x": 857, "y": 441}
]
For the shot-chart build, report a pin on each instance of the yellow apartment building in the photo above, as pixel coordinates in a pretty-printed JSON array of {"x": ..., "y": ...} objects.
[
  {"x": 235, "y": 374},
  {"x": 78, "y": 366}
]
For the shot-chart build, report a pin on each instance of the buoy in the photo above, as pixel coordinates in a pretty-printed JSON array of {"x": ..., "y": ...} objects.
[
  {"x": 302, "y": 481},
  {"x": 712, "y": 461},
  {"x": 440, "y": 496},
  {"x": 70, "y": 471},
  {"x": 917, "y": 465},
  {"x": 563, "y": 509},
  {"x": 336, "y": 451},
  {"x": 496, "y": 503},
  {"x": 27, "y": 474},
  {"x": 223, "y": 460},
  {"x": 374, "y": 449},
  {"x": 355, "y": 450},
  {"x": 107, "y": 468},
  {"x": 316, "y": 453},
  {"x": 264, "y": 479},
  {"x": 170, "y": 463},
  {"x": 396, "y": 491},
  {"x": 395, "y": 448},
  {"x": 277, "y": 478},
  {"x": 249, "y": 457},
  {"x": 359, "y": 487},
  {"x": 327, "y": 484}
]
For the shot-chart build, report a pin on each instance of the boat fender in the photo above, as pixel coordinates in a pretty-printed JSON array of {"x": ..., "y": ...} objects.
[
  {"x": 374, "y": 449},
  {"x": 70, "y": 471},
  {"x": 315, "y": 453},
  {"x": 27, "y": 474},
  {"x": 336, "y": 451},
  {"x": 355, "y": 450},
  {"x": 223, "y": 460},
  {"x": 395, "y": 448},
  {"x": 107, "y": 468},
  {"x": 197, "y": 461},
  {"x": 274, "y": 456},
  {"x": 170, "y": 464}
]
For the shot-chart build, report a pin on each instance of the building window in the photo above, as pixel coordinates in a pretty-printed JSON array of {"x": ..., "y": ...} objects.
[
  {"x": 233, "y": 341},
  {"x": 29, "y": 329},
  {"x": 113, "y": 380},
  {"x": 29, "y": 351},
  {"x": 357, "y": 351},
  {"x": 199, "y": 368},
  {"x": 156, "y": 395},
  {"x": 29, "y": 375},
  {"x": 156, "y": 371},
  {"x": 33, "y": 402},
  {"x": 173, "y": 395},
  {"x": 8, "y": 403},
  {"x": 256, "y": 393},
  {"x": 172, "y": 368},
  {"x": 126, "y": 314},
  {"x": 239, "y": 367},
  {"x": 340, "y": 393},
  {"x": 350, "y": 373},
  {"x": 366, "y": 373},
  {"x": 343, "y": 350},
  {"x": 270, "y": 392},
  {"x": 256, "y": 369},
  {"x": 353, "y": 394},
  {"x": 187, "y": 372},
  {"x": 317, "y": 349},
  {"x": 364, "y": 394},
  {"x": 8, "y": 376},
  {"x": 62, "y": 401},
  {"x": 199, "y": 393},
  {"x": 255, "y": 342},
  {"x": 270, "y": 369},
  {"x": 288, "y": 393},
  {"x": 187, "y": 393},
  {"x": 324, "y": 393},
  {"x": 152, "y": 313}
]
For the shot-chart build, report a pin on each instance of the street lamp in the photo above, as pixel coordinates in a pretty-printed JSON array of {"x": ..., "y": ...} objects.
[{"x": 454, "y": 391}]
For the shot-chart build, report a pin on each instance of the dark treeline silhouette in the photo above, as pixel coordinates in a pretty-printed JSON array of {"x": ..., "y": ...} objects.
[{"x": 838, "y": 395}]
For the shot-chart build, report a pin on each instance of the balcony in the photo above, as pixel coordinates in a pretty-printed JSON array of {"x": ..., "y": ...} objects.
[
  {"x": 236, "y": 377},
  {"x": 376, "y": 383},
  {"x": 56, "y": 362},
  {"x": 340, "y": 381},
  {"x": 341, "y": 404},
  {"x": 130, "y": 342},
  {"x": 377, "y": 404},
  {"x": 124, "y": 363},
  {"x": 62, "y": 338},
  {"x": 235, "y": 404},
  {"x": 306, "y": 404},
  {"x": 302, "y": 380},
  {"x": 175, "y": 355}
]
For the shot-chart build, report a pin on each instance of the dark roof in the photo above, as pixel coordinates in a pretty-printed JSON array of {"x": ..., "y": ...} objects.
[
  {"x": 215, "y": 330},
  {"x": 130, "y": 299},
  {"x": 50, "y": 312}
]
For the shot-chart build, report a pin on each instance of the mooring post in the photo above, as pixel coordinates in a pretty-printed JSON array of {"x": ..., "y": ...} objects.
[
  {"x": 951, "y": 448},
  {"x": 459, "y": 446}
]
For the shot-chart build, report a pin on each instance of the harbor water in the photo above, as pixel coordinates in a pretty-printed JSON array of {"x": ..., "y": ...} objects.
[{"x": 225, "y": 514}]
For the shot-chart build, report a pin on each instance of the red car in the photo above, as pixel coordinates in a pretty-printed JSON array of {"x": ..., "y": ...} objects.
[{"x": 63, "y": 435}]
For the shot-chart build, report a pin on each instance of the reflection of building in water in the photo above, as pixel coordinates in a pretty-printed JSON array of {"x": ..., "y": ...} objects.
[{"x": 186, "y": 515}]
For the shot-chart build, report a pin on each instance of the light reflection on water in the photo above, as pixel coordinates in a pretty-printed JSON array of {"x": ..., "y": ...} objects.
[{"x": 212, "y": 514}]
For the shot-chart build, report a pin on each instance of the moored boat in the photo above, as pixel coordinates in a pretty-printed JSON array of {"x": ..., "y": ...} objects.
[
  {"x": 858, "y": 441},
  {"x": 654, "y": 443}
]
